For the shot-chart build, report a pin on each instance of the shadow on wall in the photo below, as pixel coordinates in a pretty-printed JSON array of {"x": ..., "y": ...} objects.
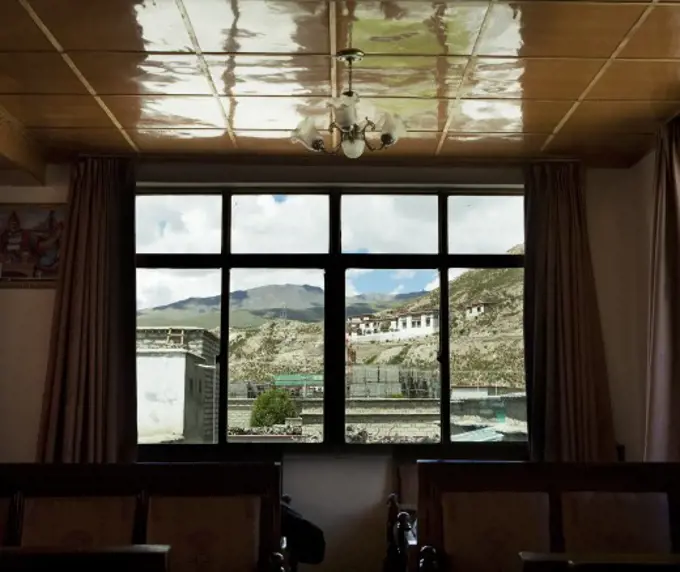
[{"x": 346, "y": 497}]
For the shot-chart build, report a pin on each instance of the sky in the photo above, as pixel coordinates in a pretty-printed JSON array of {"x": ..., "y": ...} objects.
[{"x": 279, "y": 223}]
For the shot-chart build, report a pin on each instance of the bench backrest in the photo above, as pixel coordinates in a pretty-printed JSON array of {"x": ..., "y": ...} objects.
[
  {"x": 481, "y": 515},
  {"x": 214, "y": 515}
]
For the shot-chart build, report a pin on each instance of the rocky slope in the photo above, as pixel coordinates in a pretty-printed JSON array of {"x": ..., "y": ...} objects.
[{"x": 485, "y": 350}]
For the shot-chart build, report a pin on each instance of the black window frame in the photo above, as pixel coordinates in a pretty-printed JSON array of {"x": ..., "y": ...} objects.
[{"x": 334, "y": 263}]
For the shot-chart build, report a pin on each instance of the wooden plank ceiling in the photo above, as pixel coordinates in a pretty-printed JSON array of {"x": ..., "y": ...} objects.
[{"x": 480, "y": 80}]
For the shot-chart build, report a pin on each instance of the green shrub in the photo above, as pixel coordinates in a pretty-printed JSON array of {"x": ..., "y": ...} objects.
[{"x": 272, "y": 407}]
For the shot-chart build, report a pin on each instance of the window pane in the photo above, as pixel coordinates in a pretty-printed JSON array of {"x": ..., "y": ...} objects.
[
  {"x": 392, "y": 374},
  {"x": 179, "y": 224},
  {"x": 284, "y": 224},
  {"x": 488, "y": 391},
  {"x": 486, "y": 225},
  {"x": 178, "y": 335},
  {"x": 276, "y": 323},
  {"x": 389, "y": 224}
]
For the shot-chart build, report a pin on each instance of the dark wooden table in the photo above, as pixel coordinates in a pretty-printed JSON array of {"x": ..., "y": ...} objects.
[
  {"x": 134, "y": 558},
  {"x": 565, "y": 562}
]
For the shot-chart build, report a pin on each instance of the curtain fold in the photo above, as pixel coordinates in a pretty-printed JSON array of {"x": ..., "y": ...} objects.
[
  {"x": 662, "y": 424},
  {"x": 569, "y": 410},
  {"x": 90, "y": 402}
]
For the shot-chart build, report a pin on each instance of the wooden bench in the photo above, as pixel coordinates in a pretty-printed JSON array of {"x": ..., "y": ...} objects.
[
  {"x": 213, "y": 515},
  {"x": 145, "y": 558},
  {"x": 479, "y": 515},
  {"x": 566, "y": 562}
]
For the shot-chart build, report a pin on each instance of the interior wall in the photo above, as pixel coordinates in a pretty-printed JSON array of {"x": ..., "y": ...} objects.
[
  {"x": 26, "y": 318},
  {"x": 346, "y": 496},
  {"x": 619, "y": 210}
]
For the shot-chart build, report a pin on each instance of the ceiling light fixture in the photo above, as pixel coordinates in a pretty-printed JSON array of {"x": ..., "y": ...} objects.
[{"x": 352, "y": 133}]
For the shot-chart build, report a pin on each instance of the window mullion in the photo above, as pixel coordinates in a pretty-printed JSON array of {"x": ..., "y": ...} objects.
[
  {"x": 444, "y": 329},
  {"x": 334, "y": 333},
  {"x": 223, "y": 400}
]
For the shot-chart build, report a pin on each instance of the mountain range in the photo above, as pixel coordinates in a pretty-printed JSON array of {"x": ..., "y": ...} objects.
[{"x": 253, "y": 307}]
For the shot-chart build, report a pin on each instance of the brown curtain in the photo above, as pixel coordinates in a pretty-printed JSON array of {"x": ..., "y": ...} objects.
[
  {"x": 569, "y": 408},
  {"x": 89, "y": 406},
  {"x": 662, "y": 435}
]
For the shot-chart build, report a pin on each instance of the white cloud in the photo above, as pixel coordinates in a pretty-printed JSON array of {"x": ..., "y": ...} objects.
[
  {"x": 403, "y": 274},
  {"x": 453, "y": 273},
  {"x": 485, "y": 225},
  {"x": 156, "y": 287},
  {"x": 299, "y": 224},
  {"x": 350, "y": 288}
]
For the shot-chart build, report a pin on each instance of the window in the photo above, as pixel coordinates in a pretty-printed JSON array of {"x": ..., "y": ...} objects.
[{"x": 408, "y": 358}]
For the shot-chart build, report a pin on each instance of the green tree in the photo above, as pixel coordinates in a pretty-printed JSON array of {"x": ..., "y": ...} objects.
[{"x": 272, "y": 407}]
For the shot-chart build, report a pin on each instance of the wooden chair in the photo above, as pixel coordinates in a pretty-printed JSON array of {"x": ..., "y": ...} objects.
[
  {"x": 397, "y": 527},
  {"x": 213, "y": 515},
  {"x": 479, "y": 516}
]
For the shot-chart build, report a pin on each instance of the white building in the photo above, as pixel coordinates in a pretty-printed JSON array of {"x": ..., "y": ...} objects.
[
  {"x": 176, "y": 397},
  {"x": 371, "y": 327},
  {"x": 477, "y": 309}
]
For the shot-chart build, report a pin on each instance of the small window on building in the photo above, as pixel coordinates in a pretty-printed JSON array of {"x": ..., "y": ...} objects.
[
  {"x": 403, "y": 323},
  {"x": 427, "y": 322}
]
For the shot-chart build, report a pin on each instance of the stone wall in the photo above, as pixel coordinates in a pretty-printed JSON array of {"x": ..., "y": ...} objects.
[{"x": 411, "y": 418}]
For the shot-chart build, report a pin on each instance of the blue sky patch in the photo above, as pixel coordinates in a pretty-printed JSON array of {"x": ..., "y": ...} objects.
[{"x": 392, "y": 281}]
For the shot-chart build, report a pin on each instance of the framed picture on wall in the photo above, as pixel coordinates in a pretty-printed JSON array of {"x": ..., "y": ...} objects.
[{"x": 30, "y": 242}]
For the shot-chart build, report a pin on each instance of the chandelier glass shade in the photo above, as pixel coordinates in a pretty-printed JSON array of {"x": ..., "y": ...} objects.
[{"x": 350, "y": 131}]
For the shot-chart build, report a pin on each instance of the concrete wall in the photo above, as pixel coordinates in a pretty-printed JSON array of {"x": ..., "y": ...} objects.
[{"x": 161, "y": 396}]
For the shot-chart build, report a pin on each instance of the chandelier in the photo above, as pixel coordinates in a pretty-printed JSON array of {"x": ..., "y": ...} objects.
[{"x": 352, "y": 133}]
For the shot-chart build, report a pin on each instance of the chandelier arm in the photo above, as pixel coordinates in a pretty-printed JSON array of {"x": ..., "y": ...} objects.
[
  {"x": 371, "y": 148},
  {"x": 333, "y": 151}
]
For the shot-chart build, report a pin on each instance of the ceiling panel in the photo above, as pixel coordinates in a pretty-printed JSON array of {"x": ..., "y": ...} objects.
[
  {"x": 603, "y": 150},
  {"x": 499, "y": 116},
  {"x": 69, "y": 139},
  {"x": 276, "y": 75},
  {"x": 136, "y": 73},
  {"x": 115, "y": 25},
  {"x": 639, "y": 80},
  {"x": 269, "y": 143},
  {"x": 260, "y": 27},
  {"x": 182, "y": 140},
  {"x": 55, "y": 110},
  {"x": 620, "y": 116},
  {"x": 416, "y": 28},
  {"x": 514, "y": 78},
  {"x": 37, "y": 73},
  {"x": 275, "y": 113},
  {"x": 407, "y": 76},
  {"x": 490, "y": 145},
  {"x": 18, "y": 32},
  {"x": 171, "y": 111},
  {"x": 657, "y": 37},
  {"x": 418, "y": 114},
  {"x": 470, "y": 78},
  {"x": 557, "y": 29}
]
